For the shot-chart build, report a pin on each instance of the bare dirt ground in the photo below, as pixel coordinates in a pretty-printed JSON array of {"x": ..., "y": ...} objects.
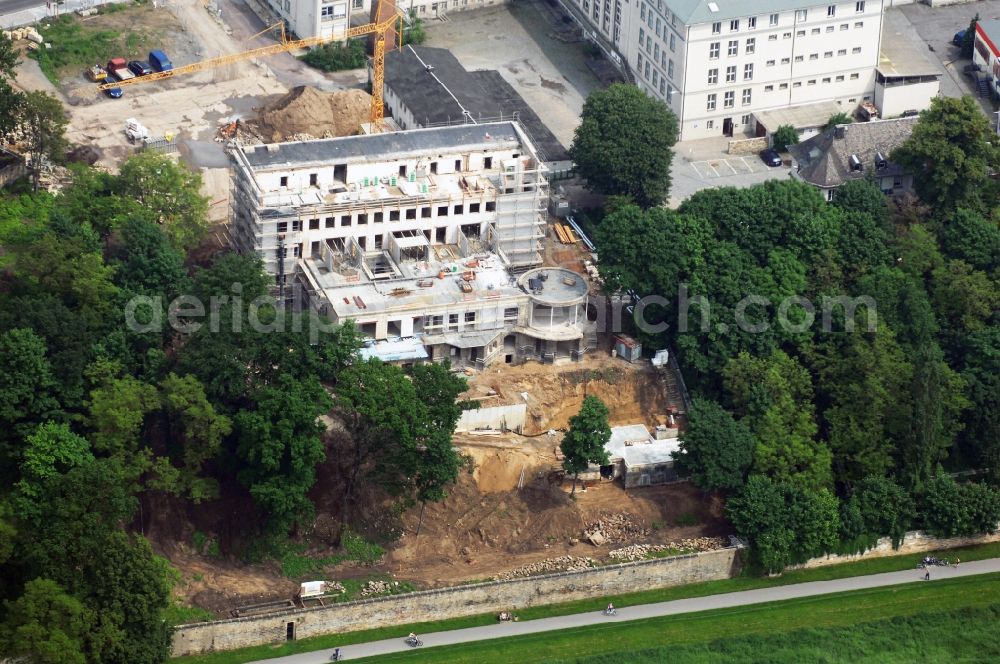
[
  {"x": 632, "y": 392},
  {"x": 475, "y": 534}
]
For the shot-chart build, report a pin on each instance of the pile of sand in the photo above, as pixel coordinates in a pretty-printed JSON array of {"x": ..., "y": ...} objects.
[{"x": 307, "y": 111}]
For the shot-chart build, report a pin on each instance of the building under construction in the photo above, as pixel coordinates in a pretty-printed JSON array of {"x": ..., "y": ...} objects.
[{"x": 429, "y": 240}]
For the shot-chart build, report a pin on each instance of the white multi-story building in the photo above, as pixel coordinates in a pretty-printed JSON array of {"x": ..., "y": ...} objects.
[
  {"x": 716, "y": 63},
  {"x": 315, "y": 18},
  {"x": 428, "y": 238}
]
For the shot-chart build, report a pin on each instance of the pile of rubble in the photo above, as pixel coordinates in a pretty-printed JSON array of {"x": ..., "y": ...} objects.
[
  {"x": 335, "y": 588},
  {"x": 547, "y": 566},
  {"x": 613, "y": 528},
  {"x": 375, "y": 588},
  {"x": 691, "y": 545}
]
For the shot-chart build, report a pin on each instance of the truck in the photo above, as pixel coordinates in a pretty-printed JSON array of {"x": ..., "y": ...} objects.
[
  {"x": 119, "y": 67},
  {"x": 97, "y": 74},
  {"x": 159, "y": 61}
]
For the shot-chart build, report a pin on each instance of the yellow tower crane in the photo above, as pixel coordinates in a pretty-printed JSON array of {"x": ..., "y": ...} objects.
[{"x": 378, "y": 27}]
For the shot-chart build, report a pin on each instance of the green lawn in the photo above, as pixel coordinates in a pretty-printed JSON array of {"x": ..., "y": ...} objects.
[
  {"x": 773, "y": 623},
  {"x": 861, "y": 568},
  {"x": 964, "y": 635}
]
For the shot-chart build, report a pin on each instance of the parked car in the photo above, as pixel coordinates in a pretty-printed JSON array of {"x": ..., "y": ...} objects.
[
  {"x": 770, "y": 157},
  {"x": 114, "y": 93},
  {"x": 139, "y": 68},
  {"x": 159, "y": 61},
  {"x": 958, "y": 38}
]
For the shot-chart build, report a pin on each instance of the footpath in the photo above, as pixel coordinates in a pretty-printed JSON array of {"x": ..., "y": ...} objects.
[{"x": 727, "y": 600}]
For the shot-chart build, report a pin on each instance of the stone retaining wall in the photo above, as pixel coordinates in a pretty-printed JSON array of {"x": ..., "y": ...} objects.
[
  {"x": 748, "y": 145},
  {"x": 915, "y": 541},
  {"x": 456, "y": 602}
]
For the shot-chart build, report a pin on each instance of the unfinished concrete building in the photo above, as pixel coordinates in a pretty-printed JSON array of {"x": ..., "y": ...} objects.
[{"x": 426, "y": 239}]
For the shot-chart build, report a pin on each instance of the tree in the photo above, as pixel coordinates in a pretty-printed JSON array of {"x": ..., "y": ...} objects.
[
  {"x": 937, "y": 397},
  {"x": 171, "y": 193},
  {"x": 146, "y": 263},
  {"x": 584, "y": 441},
  {"x": 67, "y": 522},
  {"x": 716, "y": 451},
  {"x": 950, "y": 509},
  {"x": 337, "y": 56},
  {"x": 966, "y": 298},
  {"x": 969, "y": 38},
  {"x": 197, "y": 431},
  {"x": 877, "y": 507},
  {"x": 43, "y": 120},
  {"x": 279, "y": 445},
  {"x": 784, "y": 136},
  {"x": 385, "y": 420},
  {"x": 982, "y": 420},
  {"x": 438, "y": 462},
  {"x": 46, "y": 625},
  {"x": 862, "y": 197},
  {"x": 623, "y": 145},
  {"x": 10, "y": 100},
  {"x": 27, "y": 390},
  {"x": 415, "y": 30},
  {"x": 837, "y": 119},
  {"x": 116, "y": 413},
  {"x": 862, "y": 377},
  {"x": 950, "y": 154},
  {"x": 52, "y": 450},
  {"x": 784, "y": 523},
  {"x": 969, "y": 236},
  {"x": 775, "y": 394},
  {"x": 128, "y": 587}
]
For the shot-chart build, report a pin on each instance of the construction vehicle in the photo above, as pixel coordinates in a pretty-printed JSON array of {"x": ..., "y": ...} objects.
[
  {"x": 379, "y": 27},
  {"x": 97, "y": 73}
]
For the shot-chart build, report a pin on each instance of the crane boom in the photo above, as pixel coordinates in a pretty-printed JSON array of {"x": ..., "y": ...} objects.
[{"x": 377, "y": 26}]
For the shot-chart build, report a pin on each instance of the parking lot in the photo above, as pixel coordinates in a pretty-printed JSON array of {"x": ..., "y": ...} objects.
[
  {"x": 936, "y": 26},
  {"x": 724, "y": 167}
]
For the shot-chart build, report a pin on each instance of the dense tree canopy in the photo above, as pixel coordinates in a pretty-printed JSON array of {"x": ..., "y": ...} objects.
[
  {"x": 950, "y": 153},
  {"x": 716, "y": 451},
  {"x": 623, "y": 144}
]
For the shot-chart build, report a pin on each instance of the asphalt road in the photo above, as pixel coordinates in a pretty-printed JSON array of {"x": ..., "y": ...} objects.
[
  {"x": 727, "y": 600},
  {"x": 11, "y": 6}
]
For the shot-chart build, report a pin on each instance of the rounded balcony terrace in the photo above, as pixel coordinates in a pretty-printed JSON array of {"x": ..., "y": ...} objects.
[{"x": 554, "y": 286}]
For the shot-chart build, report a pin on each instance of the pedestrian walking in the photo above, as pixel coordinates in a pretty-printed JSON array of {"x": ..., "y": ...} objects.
[
  {"x": 927, "y": 575},
  {"x": 957, "y": 561}
]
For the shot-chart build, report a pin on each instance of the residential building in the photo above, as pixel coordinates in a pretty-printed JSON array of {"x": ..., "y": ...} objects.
[
  {"x": 427, "y": 87},
  {"x": 430, "y": 9},
  {"x": 315, "y": 18},
  {"x": 429, "y": 240},
  {"x": 854, "y": 152},
  {"x": 718, "y": 63},
  {"x": 987, "y": 55}
]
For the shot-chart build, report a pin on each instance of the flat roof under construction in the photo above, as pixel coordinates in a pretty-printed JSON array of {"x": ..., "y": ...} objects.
[{"x": 373, "y": 146}]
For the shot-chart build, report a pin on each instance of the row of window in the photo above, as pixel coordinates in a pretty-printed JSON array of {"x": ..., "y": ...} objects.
[
  {"x": 378, "y": 217},
  {"x": 826, "y": 79},
  {"x": 751, "y": 22},
  {"x": 733, "y": 47},
  {"x": 713, "y": 74},
  {"x": 729, "y": 99}
]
